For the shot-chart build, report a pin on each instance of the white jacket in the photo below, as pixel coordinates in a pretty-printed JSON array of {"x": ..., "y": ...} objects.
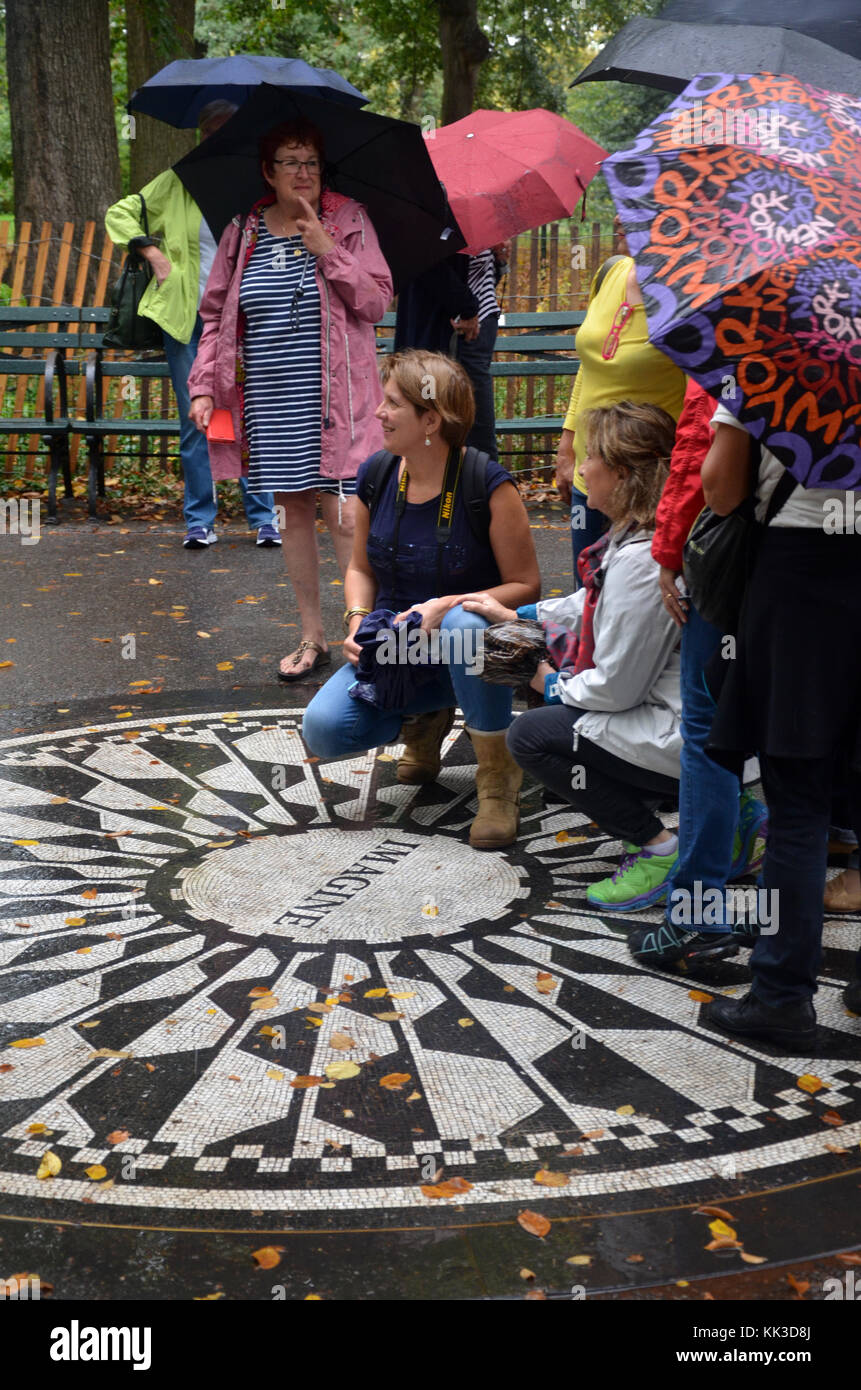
[{"x": 632, "y": 695}]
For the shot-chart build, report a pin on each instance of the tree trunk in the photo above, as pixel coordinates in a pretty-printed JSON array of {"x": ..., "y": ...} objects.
[
  {"x": 464, "y": 48},
  {"x": 150, "y": 46},
  {"x": 64, "y": 141}
]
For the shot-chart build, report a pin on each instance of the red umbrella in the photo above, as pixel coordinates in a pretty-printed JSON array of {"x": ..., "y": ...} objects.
[{"x": 507, "y": 171}]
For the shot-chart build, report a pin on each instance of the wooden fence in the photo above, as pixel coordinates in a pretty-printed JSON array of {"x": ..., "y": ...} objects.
[{"x": 550, "y": 269}]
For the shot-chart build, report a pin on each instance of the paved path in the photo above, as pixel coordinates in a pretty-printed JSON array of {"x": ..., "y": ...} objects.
[{"x": 194, "y": 916}]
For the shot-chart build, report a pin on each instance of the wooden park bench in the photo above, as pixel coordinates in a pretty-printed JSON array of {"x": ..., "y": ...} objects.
[{"x": 33, "y": 350}]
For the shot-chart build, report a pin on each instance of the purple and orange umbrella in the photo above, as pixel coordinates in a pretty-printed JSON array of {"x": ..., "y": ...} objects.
[{"x": 742, "y": 208}]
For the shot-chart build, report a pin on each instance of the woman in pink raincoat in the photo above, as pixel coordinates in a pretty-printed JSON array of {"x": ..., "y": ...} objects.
[{"x": 288, "y": 349}]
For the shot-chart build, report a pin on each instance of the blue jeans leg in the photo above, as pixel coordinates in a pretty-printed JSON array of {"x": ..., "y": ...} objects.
[
  {"x": 587, "y": 526},
  {"x": 335, "y": 725},
  {"x": 475, "y": 358},
  {"x": 200, "y": 505},
  {"x": 708, "y": 794},
  {"x": 486, "y": 708}
]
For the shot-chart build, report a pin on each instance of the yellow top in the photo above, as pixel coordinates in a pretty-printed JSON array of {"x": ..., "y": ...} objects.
[{"x": 639, "y": 372}]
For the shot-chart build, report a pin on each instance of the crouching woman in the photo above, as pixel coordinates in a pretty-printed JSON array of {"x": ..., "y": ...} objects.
[
  {"x": 405, "y": 561},
  {"x": 608, "y": 738}
]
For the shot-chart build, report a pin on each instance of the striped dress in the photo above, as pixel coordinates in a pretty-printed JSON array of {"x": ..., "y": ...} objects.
[{"x": 280, "y": 299}]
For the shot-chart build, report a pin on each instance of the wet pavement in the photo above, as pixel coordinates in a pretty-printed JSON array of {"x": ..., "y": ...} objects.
[{"x": 250, "y": 1000}]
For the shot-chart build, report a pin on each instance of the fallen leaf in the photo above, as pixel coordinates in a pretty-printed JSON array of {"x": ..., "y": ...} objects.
[
  {"x": 320, "y": 1008},
  {"x": 544, "y": 1178},
  {"x": 269, "y": 1001},
  {"x": 6, "y": 1066},
  {"x": 416, "y": 1095},
  {"x": 830, "y": 1117},
  {"x": 302, "y": 1083},
  {"x": 206, "y": 1297},
  {"x": 836, "y": 1148},
  {"x": 90, "y": 893},
  {"x": 50, "y": 1165},
  {"x": 714, "y": 1211},
  {"x": 634, "y": 1259},
  {"x": 268, "y": 1256},
  {"x": 851, "y": 1258},
  {"x": 402, "y": 994},
  {"x": 527, "y": 1274},
  {"x": 274, "y": 1074},
  {"x": 109, "y": 1052},
  {"x": 720, "y": 1228},
  {"x": 76, "y": 921},
  {"x": 509, "y": 989},
  {"x": 810, "y": 1084},
  {"x": 39, "y": 1129},
  {"x": 723, "y": 1243},
  {"x": 96, "y": 1172},
  {"x": 118, "y": 1136},
  {"x": 224, "y": 666},
  {"x": 204, "y": 634},
  {"x": 624, "y": 1109},
  {"x": 342, "y": 1071},
  {"x": 375, "y": 993},
  {"x": 753, "y": 1259},
  {"x": 149, "y": 1066},
  {"x": 466, "y": 1022},
  {"x": 259, "y": 991},
  {"x": 388, "y": 1017},
  {"x": 571, "y": 1153},
  {"x": 533, "y": 1222},
  {"x": 799, "y": 1285},
  {"x": 341, "y": 1042},
  {"x": 83, "y": 950},
  {"x": 700, "y": 996},
  {"x": 592, "y": 1134},
  {"x": 28, "y": 1042},
  {"x": 239, "y": 1078},
  {"x": 395, "y": 1080},
  {"x": 452, "y": 1187},
  {"x": 579, "y": 1260}
]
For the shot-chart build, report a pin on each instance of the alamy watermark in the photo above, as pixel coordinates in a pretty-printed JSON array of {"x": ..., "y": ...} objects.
[
  {"x": 718, "y": 907},
  {"x": 702, "y": 124},
  {"x": 457, "y": 646},
  {"x": 21, "y": 517}
]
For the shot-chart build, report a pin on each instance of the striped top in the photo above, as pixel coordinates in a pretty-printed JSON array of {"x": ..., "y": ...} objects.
[
  {"x": 280, "y": 299},
  {"x": 482, "y": 283}
]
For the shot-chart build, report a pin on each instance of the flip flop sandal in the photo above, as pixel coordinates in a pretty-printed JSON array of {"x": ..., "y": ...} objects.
[{"x": 321, "y": 659}]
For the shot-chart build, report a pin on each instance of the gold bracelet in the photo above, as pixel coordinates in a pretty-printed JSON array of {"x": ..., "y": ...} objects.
[{"x": 349, "y": 612}]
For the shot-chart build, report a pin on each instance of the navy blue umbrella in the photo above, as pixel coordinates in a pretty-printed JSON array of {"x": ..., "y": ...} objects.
[{"x": 178, "y": 93}]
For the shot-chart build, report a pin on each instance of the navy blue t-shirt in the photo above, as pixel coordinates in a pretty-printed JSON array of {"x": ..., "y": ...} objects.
[{"x": 467, "y": 564}]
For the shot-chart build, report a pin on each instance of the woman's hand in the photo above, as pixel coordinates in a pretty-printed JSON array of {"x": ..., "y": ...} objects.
[
  {"x": 486, "y": 606},
  {"x": 565, "y": 466},
  {"x": 675, "y": 605},
  {"x": 161, "y": 266},
  {"x": 200, "y": 411},
  {"x": 544, "y": 669},
  {"x": 315, "y": 237},
  {"x": 432, "y": 611}
]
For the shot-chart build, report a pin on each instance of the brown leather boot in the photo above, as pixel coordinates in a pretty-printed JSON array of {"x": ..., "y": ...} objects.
[
  {"x": 497, "y": 781},
  {"x": 842, "y": 893},
  {"x": 423, "y": 735}
]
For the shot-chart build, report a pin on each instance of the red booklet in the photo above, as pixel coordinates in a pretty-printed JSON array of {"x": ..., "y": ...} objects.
[{"x": 220, "y": 425}]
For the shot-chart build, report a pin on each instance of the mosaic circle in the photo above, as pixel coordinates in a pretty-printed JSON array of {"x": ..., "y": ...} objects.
[{"x": 243, "y": 981}]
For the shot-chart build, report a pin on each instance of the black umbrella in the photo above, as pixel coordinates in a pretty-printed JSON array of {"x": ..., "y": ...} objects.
[
  {"x": 835, "y": 22},
  {"x": 381, "y": 162},
  {"x": 178, "y": 93},
  {"x": 669, "y": 54}
]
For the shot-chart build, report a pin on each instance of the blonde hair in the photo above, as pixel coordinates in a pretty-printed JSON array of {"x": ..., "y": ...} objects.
[
  {"x": 432, "y": 381},
  {"x": 635, "y": 441}
]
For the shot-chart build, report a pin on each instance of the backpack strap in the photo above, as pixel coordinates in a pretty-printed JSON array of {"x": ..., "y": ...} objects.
[
  {"x": 379, "y": 469},
  {"x": 474, "y": 492}
]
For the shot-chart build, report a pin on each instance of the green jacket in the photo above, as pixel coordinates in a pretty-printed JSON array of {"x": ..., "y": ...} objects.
[{"x": 174, "y": 219}]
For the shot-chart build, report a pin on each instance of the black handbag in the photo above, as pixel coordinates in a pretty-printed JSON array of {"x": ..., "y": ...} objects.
[
  {"x": 127, "y": 329},
  {"x": 719, "y": 552}
]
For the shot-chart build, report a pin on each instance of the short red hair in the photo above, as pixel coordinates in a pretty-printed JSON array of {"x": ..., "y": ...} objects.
[{"x": 299, "y": 132}]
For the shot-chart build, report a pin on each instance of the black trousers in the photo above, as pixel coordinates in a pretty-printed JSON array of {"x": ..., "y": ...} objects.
[
  {"x": 786, "y": 962},
  {"x": 618, "y": 796}
]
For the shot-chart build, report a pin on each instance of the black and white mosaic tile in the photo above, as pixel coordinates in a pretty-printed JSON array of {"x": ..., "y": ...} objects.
[{"x": 157, "y": 880}]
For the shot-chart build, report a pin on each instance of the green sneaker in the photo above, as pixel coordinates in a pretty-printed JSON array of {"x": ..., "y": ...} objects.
[
  {"x": 748, "y": 847},
  {"x": 640, "y": 880}
]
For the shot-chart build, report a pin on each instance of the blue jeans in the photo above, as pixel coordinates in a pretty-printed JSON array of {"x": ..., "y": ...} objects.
[
  {"x": 335, "y": 724},
  {"x": 475, "y": 358},
  {"x": 587, "y": 526},
  {"x": 708, "y": 794},
  {"x": 199, "y": 504}
]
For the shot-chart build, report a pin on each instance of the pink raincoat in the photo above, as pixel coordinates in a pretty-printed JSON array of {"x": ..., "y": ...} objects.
[{"x": 355, "y": 290}]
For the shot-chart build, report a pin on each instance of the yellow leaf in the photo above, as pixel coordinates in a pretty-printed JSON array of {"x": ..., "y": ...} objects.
[
  {"x": 317, "y": 1022},
  {"x": 375, "y": 993},
  {"x": 319, "y": 1008},
  {"x": 341, "y": 1042},
  {"x": 527, "y": 1274},
  {"x": 624, "y": 1109},
  {"x": 94, "y": 1023},
  {"x": 76, "y": 921},
  {"x": 720, "y": 1228},
  {"x": 395, "y": 1080},
  {"x": 4, "y": 664},
  {"x": 753, "y": 1259},
  {"x": 416, "y": 1095},
  {"x": 204, "y": 634},
  {"x": 388, "y": 1017},
  {"x": 342, "y": 1071},
  {"x": 402, "y": 994},
  {"x": 579, "y": 1260},
  {"x": 266, "y": 1032},
  {"x": 452, "y": 1187},
  {"x": 50, "y": 1165},
  {"x": 83, "y": 950},
  {"x": 96, "y": 1173},
  {"x": 274, "y": 1074},
  {"x": 700, "y": 996},
  {"x": 155, "y": 581},
  {"x": 28, "y": 1042},
  {"x": 224, "y": 666},
  {"x": 109, "y": 1052},
  {"x": 312, "y": 1298},
  {"x": 25, "y": 842},
  {"x": 206, "y": 1297},
  {"x": 544, "y": 1178},
  {"x": 269, "y": 1001},
  {"x": 38, "y": 1129},
  {"x": 810, "y": 1084},
  {"x": 466, "y": 1022}
]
